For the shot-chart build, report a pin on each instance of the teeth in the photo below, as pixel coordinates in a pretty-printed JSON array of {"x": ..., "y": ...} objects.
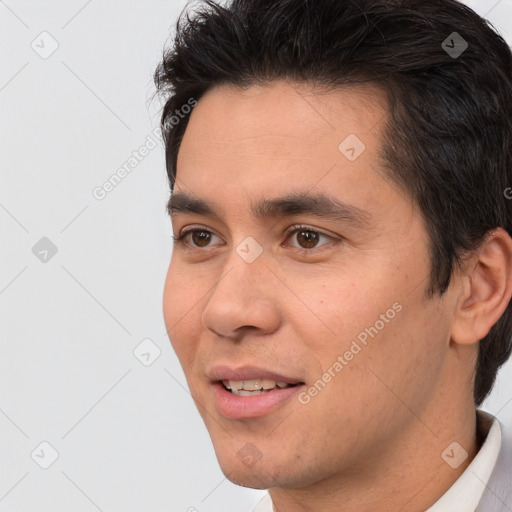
[
  {"x": 251, "y": 387},
  {"x": 268, "y": 384},
  {"x": 243, "y": 392}
]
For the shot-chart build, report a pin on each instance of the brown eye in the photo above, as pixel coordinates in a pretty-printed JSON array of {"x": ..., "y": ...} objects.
[
  {"x": 195, "y": 238},
  {"x": 201, "y": 238},
  {"x": 304, "y": 237},
  {"x": 307, "y": 239}
]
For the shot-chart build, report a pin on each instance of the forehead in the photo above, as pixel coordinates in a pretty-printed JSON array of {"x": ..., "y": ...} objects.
[
  {"x": 266, "y": 140},
  {"x": 280, "y": 120}
]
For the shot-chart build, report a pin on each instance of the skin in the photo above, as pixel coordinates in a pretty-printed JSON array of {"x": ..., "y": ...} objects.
[{"x": 372, "y": 438}]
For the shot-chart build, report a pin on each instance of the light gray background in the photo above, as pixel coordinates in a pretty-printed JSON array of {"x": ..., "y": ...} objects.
[{"x": 128, "y": 436}]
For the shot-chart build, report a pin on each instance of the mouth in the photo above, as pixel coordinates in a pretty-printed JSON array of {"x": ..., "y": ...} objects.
[
  {"x": 251, "y": 392},
  {"x": 254, "y": 387}
]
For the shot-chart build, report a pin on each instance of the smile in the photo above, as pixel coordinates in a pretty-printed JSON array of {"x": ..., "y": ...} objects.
[
  {"x": 253, "y": 387},
  {"x": 239, "y": 403}
]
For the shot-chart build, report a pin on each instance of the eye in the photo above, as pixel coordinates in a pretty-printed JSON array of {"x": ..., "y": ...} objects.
[
  {"x": 307, "y": 238},
  {"x": 199, "y": 237}
]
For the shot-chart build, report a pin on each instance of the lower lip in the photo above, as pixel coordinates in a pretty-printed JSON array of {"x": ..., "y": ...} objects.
[{"x": 242, "y": 407}]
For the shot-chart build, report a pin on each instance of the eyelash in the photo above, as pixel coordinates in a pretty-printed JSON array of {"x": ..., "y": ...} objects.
[{"x": 294, "y": 229}]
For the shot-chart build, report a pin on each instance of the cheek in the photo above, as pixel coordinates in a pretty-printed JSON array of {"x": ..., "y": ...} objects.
[
  {"x": 395, "y": 365},
  {"x": 374, "y": 323},
  {"x": 181, "y": 303},
  {"x": 171, "y": 303},
  {"x": 333, "y": 311}
]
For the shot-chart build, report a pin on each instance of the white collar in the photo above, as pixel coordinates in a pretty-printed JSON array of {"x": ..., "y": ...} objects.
[{"x": 466, "y": 492}]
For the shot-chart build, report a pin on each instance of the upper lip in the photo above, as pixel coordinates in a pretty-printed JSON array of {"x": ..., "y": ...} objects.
[{"x": 224, "y": 372}]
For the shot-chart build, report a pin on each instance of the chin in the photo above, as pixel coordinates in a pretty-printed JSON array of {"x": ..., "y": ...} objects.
[
  {"x": 250, "y": 481},
  {"x": 255, "y": 474}
]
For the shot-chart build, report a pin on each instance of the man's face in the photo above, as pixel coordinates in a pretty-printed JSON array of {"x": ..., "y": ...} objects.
[{"x": 334, "y": 303}]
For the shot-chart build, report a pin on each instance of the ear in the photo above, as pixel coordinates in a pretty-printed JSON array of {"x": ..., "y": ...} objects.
[{"x": 486, "y": 289}]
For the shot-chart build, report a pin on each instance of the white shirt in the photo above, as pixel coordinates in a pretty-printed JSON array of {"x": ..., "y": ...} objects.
[{"x": 466, "y": 492}]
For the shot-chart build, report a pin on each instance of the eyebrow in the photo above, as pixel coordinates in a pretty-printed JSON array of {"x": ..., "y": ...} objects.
[{"x": 298, "y": 203}]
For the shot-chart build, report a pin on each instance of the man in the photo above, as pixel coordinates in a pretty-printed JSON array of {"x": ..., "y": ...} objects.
[{"x": 339, "y": 289}]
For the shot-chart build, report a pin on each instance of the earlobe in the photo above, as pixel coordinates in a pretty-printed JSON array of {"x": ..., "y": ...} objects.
[{"x": 486, "y": 289}]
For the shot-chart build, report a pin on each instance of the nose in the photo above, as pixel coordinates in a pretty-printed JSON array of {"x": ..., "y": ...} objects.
[{"x": 243, "y": 299}]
